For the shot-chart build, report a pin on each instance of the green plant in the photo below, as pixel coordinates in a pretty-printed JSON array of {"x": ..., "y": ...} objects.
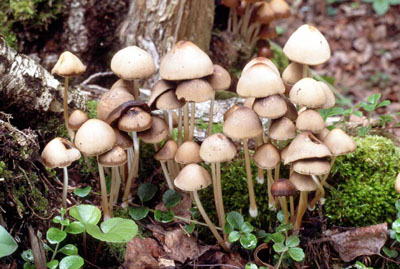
[
  {"x": 7, "y": 243},
  {"x": 240, "y": 230},
  {"x": 382, "y": 6}
]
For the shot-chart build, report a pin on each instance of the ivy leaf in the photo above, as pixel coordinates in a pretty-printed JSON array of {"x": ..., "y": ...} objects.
[
  {"x": 7, "y": 243},
  {"x": 114, "y": 230},
  {"x": 55, "y": 235},
  {"x": 235, "y": 219},
  {"x": 248, "y": 240},
  {"x": 164, "y": 216},
  {"x": 233, "y": 236},
  {"x": 75, "y": 227},
  {"x": 69, "y": 249},
  {"x": 52, "y": 264},
  {"x": 171, "y": 198},
  {"x": 246, "y": 227},
  {"x": 82, "y": 192},
  {"x": 146, "y": 191},
  {"x": 292, "y": 241},
  {"x": 139, "y": 212},
  {"x": 71, "y": 262},
  {"x": 296, "y": 254},
  {"x": 391, "y": 253},
  {"x": 277, "y": 237},
  {"x": 280, "y": 247},
  {"x": 86, "y": 214}
]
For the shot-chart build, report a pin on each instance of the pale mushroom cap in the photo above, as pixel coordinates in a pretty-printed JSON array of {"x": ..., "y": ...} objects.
[
  {"x": 68, "y": 65},
  {"x": 159, "y": 88},
  {"x": 111, "y": 100},
  {"x": 321, "y": 136},
  {"x": 123, "y": 139},
  {"x": 339, "y": 143},
  {"x": 282, "y": 129},
  {"x": 134, "y": 120},
  {"x": 303, "y": 182},
  {"x": 229, "y": 111},
  {"x": 194, "y": 90},
  {"x": 313, "y": 166},
  {"x": 95, "y": 137},
  {"x": 307, "y": 92},
  {"x": 284, "y": 152},
  {"x": 266, "y": 156},
  {"x": 167, "y": 152},
  {"x": 115, "y": 157},
  {"x": 188, "y": 152},
  {"x": 291, "y": 112},
  {"x": 243, "y": 123},
  {"x": 307, "y": 46},
  {"x": 129, "y": 85},
  {"x": 330, "y": 97},
  {"x": 310, "y": 120},
  {"x": 292, "y": 73},
  {"x": 281, "y": 8},
  {"x": 168, "y": 100},
  {"x": 283, "y": 187},
  {"x": 306, "y": 146},
  {"x": 220, "y": 79},
  {"x": 59, "y": 152},
  {"x": 192, "y": 177},
  {"x": 217, "y": 148},
  {"x": 397, "y": 184},
  {"x": 76, "y": 119},
  {"x": 271, "y": 107},
  {"x": 133, "y": 63},
  {"x": 185, "y": 61},
  {"x": 156, "y": 133},
  {"x": 259, "y": 80},
  {"x": 262, "y": 60}
]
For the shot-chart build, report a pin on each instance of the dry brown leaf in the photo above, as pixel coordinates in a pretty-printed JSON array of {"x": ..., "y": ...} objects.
[
  {"x": 142, "y": 253},
  {"x": 182, "y": 209}
]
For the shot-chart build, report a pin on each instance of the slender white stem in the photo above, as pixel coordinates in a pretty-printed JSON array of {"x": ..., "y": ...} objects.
[
  {"x": 211, "y": 115},
  {"x": 186, "y": 122},
  {"x": 221, "y": 199},
  {"x": 117, "y": 185},
  {"x": 301, "y": 209},
  {"x": 112, "y": 189},
  {"x": 270, "y": 181},
  {"x": 253, "y": 206},
  {"x": 136, "y": 147},
  {"x": 215, "y": 191},
  {"x": 133, "y": 172},
  {"x": 192, "y": 118},
  {"x": 103, "y": 188},
  {"x": 179, "y": 126},
  {"x": 65, "y": 188},
  {"x": 284, "y": 208},
  {"x": 170, "y": 124},
  {"x": 166, "y": 175}
]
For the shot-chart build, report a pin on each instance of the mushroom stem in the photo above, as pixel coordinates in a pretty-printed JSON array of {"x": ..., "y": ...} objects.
[
  {"x": 215, "y": 191},
  {"x": 305, "y": 71},
  {"x": 211, "y": 115},
  {"x": 277, "y": 170},
  {"x": 66, "y": 85},
  {"x": 192, "y": 117},
  {"x": 234, "y": 21},
  {"x": 136, "y": 151},
  {"x": 179, "y": 126},
  {"x": 283, "y": 202},
  {"x": 208, "y": 221},
  {"x": 291, "y": 201},
  {"x": 253, "y": 206},
  {"x": 321, "y": 190},
  {"x": 270, "y": 181},
  {"x": 260, "y": 171},
  {"x": 112, "y": 189},
  {"x": 136, "y": 91},
  {"x": 221, "y": 199},
  {"x": 245, "y": 22},
  {"x": 134, "y": 170},
  {"x": 127, "y": 190},
  {"x": 117, "y": 185},
  {"x": 103, "y": 188},
  {"x": 318, "y": 194},
  {"x": 186, "y": 122},
  {"x": 301, "y": 209},
  {"x": 65, "y": 188},
  {"x": 170, "y": 124},
  {"x": 166, "y": 175}
]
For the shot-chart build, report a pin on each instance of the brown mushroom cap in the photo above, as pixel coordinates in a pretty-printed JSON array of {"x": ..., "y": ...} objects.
[
  {"x": 156, "y": 133},
  {"x": 330, "y": 97},
  {"x": 134, "y": 120},
  {"x": 282, "y": 129},
  {"x": 59, "y": 152},
  {"x": 312, "y": 167},
  {"x": 310, "y": 120},
  {"x": 95, "y": 137},
  {"x": 111, "y": 100},
  {"x": 397, "y": 184},
  {"x": 272, "y": 107},
  {"x": 220, "y": 79},
  {"x": 307, "y": 46},
  {"x": 123, "y": 139},
  {"x": 194, "y": 90},
  {"x": 292, "y": 73},
  {"x": 243, "y": 123},
  {"x": 306, "y": 146},
  {"x": 303, "y": 182},
  {"x": 192, "y": 177},
  {"x": 291, "y": 112},
  {"x": 115, "y": 157},
  {"x": 339, "y": 143},
  {"x": 129, "y": 85},
  {"x": 159, "y": 88},
  {"x": 283, "y": 187},
  {"x": 268, "y": 31},
  {"x": 229, "y": 111},
  {"x": 280, "y": 8},
  {"x": 217, "y": 148},
  {"x": 76, "y": 119},
  {"x": 264, "y": 13},
  {"x": 168, "y": 100},
  {"x": 167, "y": 152},
  {"x": 133, "y": 63},
  {"x": 307, "y": 92},
  {"x": 262, "y": 60},
  {"x": 185, "y": 61},
  {"x": 188, "y": 152},
  {"x": 266, "y": 156},
  {"x": 68, "y": 65}
]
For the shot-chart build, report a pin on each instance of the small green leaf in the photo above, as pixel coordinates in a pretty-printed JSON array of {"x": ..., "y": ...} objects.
[
  {"x": 71, "y": 262},
  {"x": 235, "y": 219},
  {"x": 55, "y": 235},
  {"x": 189, "y": 228},
  {"x": 69, "y": 249},
  {"x": 296, "y": 254},
  {"x": 63, "y": 211},
  {"x": 396, "y": 226},
  {"x": 246, "y": 227},
  {"x": 146, "y": 191},
  {"x": 391, "y": 253},
  {"x": 251, "y": 266},
  {"x": 397, "y": 236},
  {"x": 267, "y": 238},
  {"x": 277, "y": 237},
  {"x": 248, "y": 240},
  {"x": 171, "y": 198},
  {"x": 65, "y": 222},
  {"x": 397, "y": 204},
  {"x": 280, "y": 216},
  {"x": 82, "y": 192},
  {"x": 284, "y": 227},
  {"x": 374, "y": 98},
  {"x": 164, "y": 216},
  {"x": 384, "y": 103},
  {"x": 139, "y": 212},
  {"x": 75, "y": 227},
  {"x": 292, "y": 241},
  {"x": 57, "y": 219},
  {"x": 52, "y": 264},
  {"x": 27, "y": 256},
  {"x": 261, "y": 234},
  {"x": 29, "y": 265},
  {"x": 114, "y": 230},
  {"x": 87, "y": 214},
  {"x": 233, "y": 236},
  {"x": 7, "y": 243},
  {"x": 280, "y": 247},
  {"x": 381, "y": 6}
]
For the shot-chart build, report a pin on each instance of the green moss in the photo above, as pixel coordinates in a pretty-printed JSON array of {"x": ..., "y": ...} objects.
[
  {"x": 91, "y": 109},
  {"x": 202, "y": 125},
  {"x": 364, "y": 193}
]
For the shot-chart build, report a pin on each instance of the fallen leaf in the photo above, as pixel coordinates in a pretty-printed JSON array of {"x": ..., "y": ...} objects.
[{"x": 142, "y": 253}]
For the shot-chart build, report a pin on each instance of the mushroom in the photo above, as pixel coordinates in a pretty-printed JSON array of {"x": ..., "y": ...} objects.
[
  {"x": 192, "y": 178},
  {"x": 330, "y": 97},
  {"x": 68, "y": 65},
  {"x": 283, "y": 188},
  {"x": 187, "y": 153},
  {"x": 111, "y": 100},
  {"x": 307, "y": 92},
  {"x": 167, "y": 152},
  {"x": 59, "y": 152},
  {"x": 232, "y": 21},
  {"x": 76, "y": 119},
  {"x": 280, "y": 8},
  {"x": 310, "y": 120},
  {"x": 292, "y": 73},
  {"x": 125, "y": 142},
  {"x": 262, "y": 60}
]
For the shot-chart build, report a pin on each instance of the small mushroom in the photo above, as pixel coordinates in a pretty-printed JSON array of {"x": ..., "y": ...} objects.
[
  {"x": 283, "y": 188},
  {"x": 166, "y": 153}
]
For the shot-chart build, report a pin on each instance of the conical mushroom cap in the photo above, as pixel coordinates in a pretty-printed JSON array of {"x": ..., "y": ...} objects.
[
  {"x": 264, "y": 13},
  {"x": 262, "y": 60},
  {"x": 188, "y": 152},
  {"x": 266, "y": 156},
  {"x": 156, "y": 133},
  {"x": 167, "y": 152},
  {"x": 310, "y": 120},
  {"x": 397, "y": 184},
  {"x": 217, "y": 148},
  {"x": 134, "y": 120},
  {"x": 307, "y": 46},
  {"x": 312, "y": 167},
  {"x": 123, "y": 139},
  {"x": 185, "y": 61},
  {"x": 306, "y": 146},
  {"x": 271, "y": 107},
  {"x": 330, "y": 97},
  {"x": 292, "y": 73},
  {"x": 168, "y": 100},
  {"x": 229, "y": 111},
  {"x": 111, "y": 100},
  {"x": 129, "y": 85},
  {"x": 95, "y": 137},
  {"x": 159, "y": 88},
  {"x": 115, "y": 157},
  {"x": 303, "y": 182},
  {"x": 281, "y": 9},
  {"x": 267, "y": 31},
  {"x": 76, "y": 119},
  {"x": 68, "y": 65},
  {"x": 321, "y": 136},
  {"x": 220, "y": 79},
  {"x": 259, "y": 80},
  {"x": 133, "y": 63},
  {"x": 283, "y": 187},
  {"x": 243, "y": 123},
  {"x": 291, "y": 112},
  {"x": 194, "y": 90},
  {"x": 282, "y": 129},
  {"x": 339, "y": 143},
  {"x": 307, "y": 92},
  {"x": 59, "y": 152},
  {"x": 192, "y": 177}
]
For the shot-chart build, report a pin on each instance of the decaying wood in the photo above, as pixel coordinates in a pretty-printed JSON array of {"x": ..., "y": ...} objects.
[{"x": 37, "y": 250}]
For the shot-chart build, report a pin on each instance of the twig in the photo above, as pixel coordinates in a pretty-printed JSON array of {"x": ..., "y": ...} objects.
[
  {"x": 96, "y": 75},
  {"x": 33, "y": 212}
]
